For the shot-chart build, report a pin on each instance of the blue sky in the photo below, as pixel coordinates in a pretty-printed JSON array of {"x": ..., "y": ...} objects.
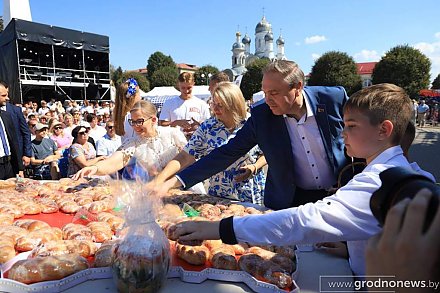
[{"x": 202, "y": 32}]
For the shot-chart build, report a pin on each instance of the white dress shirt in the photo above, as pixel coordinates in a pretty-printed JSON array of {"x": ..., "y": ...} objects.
[
  {"x": 312, "y": 167},
  {"x": 344, "y": 216},
  {"x": 2, "y": 151}
]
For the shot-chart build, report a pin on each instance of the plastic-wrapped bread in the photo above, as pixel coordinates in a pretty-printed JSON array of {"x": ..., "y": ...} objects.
[
  {"x": 223, "y": 258},
  {"x": 115, "y": 222},
  {"x": 37, "y": 237},
  {"x": 12, "y": 209},
  {"x": 195, "y": 255},
  {"x": 59, "y": 247},
  {"x": 49, "y": 268},
  {"x": 100, "y": 206},
  {"x": 31, "y": 225},
  {"x": 7, "y": 250},
  {"x": 265, "y": 269},
  {"x": 105, "y": 255},
  {"x": 284, "y": 262},
  {"x": 48, "y": 206},
  {"x": 29, "y": 207},
  {"x": 12, "y": 231},
  {"x": 68, "y": 206},
  {"x": 6, "y": 219},
  {"x": 76, "y": 232},
  {"x": 101, "y": 231},
  {"x": 84, "y": 200}
]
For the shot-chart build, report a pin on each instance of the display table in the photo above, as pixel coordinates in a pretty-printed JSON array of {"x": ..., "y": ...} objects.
[{"x": 311, "y": 266}]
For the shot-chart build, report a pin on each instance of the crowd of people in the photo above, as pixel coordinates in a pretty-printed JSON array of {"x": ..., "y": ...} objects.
[{"x": 306, "y": 137}]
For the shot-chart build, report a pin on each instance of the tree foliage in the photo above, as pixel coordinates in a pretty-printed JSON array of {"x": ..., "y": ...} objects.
[
  {"x": 165, "y": 76},
  {"x": 157, "y": 61},
  {"x": 404, "y": 66},
  {"x": 143, "y": 82},
  {"x": 251, "y": 81},
  {"x": 116, "y": 74},
  {"x": 336, "y": 68},
  {"x": 1, "y": 24},
  {"x": 202, "y": 74},
  {"x": 436, "y": 83}
]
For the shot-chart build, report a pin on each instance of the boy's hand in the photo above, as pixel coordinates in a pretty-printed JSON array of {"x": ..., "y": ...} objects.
[
  {"x": 336, "y": 248},
  {"x": 195, "y": 230}
]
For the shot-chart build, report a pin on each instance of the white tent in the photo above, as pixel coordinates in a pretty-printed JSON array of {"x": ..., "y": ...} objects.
[
  {"x": 258, "y": 96},
  {"x": 159, "y": 95}
]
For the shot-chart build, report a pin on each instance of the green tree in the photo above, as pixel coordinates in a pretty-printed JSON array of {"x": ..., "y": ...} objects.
[
  {"x": 165, "y": 76},
  {"x": 404, "y": 66},
  {"x": 203, "y": 74},
  {"x": 143, "y": 82},
  {"x": 436, "y": 83},
  {"x": 336, "y": 68},
  {"x": 116, "y": 75},
  {"x": 1, "y": 24},
  {"x": 251, "y": 81},
  {"x": 157, "y": 61}
]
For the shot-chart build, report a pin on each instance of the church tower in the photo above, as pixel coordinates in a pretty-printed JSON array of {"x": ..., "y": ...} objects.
[
  {"x": 238, "y": 55},
  {"x": 247, "y": 44},
  {"x": 261, "y": 30},
  {"x": 280, "y": 48},
  {"x": 16, "y": 9},
  {"x": 268, "y": 40}
]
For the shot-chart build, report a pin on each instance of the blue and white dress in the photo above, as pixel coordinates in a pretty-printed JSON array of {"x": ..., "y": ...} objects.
[{"x": 212, "y": 134}]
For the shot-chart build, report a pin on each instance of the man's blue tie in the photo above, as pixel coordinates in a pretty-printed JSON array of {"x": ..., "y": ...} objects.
[{"x": 4, "y": 142}]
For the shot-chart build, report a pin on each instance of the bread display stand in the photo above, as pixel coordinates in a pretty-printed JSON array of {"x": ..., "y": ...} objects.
[{"x": 7, "y": 285}]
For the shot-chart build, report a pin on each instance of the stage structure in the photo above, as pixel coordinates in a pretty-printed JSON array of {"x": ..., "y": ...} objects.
[{"x": 43, "y": 62}]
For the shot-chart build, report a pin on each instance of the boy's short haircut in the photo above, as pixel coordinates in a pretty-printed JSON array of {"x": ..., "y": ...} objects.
[
  {"x": 187, "y": 77},
  {"x": 408, "y": 137},
  {"x": 382, "y": 102},
  {"x": 219, "y": 77}
]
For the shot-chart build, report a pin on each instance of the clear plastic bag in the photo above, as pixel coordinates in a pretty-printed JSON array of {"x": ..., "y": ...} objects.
[{"x": 142, "y": 259}]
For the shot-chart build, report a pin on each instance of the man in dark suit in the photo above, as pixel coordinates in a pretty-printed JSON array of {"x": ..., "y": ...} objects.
[
  {"x": 21, "y": 129},
  {"x": 299, "y": 131},
  {"x": 10, "y": 161}
]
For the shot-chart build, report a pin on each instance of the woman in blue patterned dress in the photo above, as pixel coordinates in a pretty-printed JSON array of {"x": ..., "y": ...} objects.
[{"x": 243, "y": 180}]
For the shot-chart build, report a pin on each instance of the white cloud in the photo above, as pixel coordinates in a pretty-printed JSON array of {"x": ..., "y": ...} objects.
[
  {"x": 315, "y": 56},
  {"x": 432, "y": 51},
  {"x": 315, "y": 39},
  {"x": 366, "y": 56}
]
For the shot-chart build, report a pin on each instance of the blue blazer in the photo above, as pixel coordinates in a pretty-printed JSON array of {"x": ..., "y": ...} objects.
[
  {"x": 21, "y": 129},
  {"x": 270, "y": 132},
  {"x": 16, "y": 161}
]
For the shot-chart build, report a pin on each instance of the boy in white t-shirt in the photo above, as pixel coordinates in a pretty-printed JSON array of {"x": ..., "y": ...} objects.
[{"x": 186, "y": 110}]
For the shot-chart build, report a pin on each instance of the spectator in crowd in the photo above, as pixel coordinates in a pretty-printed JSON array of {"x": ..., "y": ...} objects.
[
  {"x": 153, "y": 147},
  {"x": 185, "y": 111},
  {"x": 43, "y": 119},
  {"x": 76, "y": 114},
  {"x": 44, "y": 109},
  {"x": 96, "y": 132},
  {"x": 128, "y": 94},
  {"x": 375, "y": 122},
  {"x": 68, "y": 106},
  {"x": 45, "y": 155},
  {"x": 405, "y": 249},
  {"x": 299, "y": 131},
  {"x": 110, "y": 142},
  {"x": 213, "y": 81},
  {"x": 229, "y": 116},
  {"x": 62, "y": 140},
  {"x": 422, "y": 110},
  {"x": 31, "y": 125},
  {"x": 21, "y": 129},
  {"x": 11, "y": 162},
  {"x": 81, "y": 152},
  {"x": 68, "y": 123},
  {"x": 35, "y": 108}
]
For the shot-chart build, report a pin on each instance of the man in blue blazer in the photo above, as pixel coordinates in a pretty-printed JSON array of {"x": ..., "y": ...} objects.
[
  {"x": 299, "y": 131},
  {"x": 21, "y": 129},
  {"x": 10, "y": 161}
]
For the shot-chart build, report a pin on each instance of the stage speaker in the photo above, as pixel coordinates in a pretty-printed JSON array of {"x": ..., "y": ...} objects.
[{"x": 93, "y": 91}]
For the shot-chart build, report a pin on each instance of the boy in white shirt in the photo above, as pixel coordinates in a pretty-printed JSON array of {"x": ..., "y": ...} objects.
[
  {"x": 375, "y": 120},
  {"x": 186, "y": 110}
]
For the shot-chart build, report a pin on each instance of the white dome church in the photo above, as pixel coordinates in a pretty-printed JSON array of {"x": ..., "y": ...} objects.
[{"x": 241, "y": 49}]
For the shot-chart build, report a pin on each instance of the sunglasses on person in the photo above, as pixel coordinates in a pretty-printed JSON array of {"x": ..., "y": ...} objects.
[
  {"x": 138, "y": 122},
  {"x": 83, "y": 132},
  {"x": 58, "y": 128},
  {"x": 110, "y": 127}
]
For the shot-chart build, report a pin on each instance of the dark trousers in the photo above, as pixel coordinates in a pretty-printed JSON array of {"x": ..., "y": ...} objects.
[
  {"x": 6, "y": 171},
  {"x": 303, "y": 196}
]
